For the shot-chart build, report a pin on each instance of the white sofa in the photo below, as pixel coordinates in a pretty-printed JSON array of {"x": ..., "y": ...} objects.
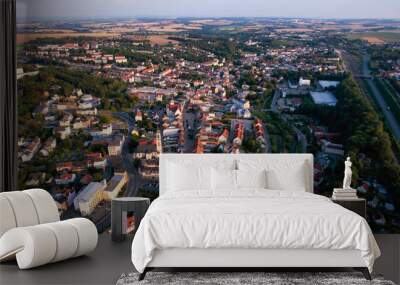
[{"x": 31, "y": 231}]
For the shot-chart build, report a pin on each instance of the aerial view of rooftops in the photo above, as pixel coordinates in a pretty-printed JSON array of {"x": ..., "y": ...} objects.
[{"x": 100, "y": 99}]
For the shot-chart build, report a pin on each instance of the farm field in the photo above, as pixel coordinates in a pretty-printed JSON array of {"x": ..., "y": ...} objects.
[
  {"x": 376, "y": 37},
  {"x": 161, "y": 40},
  {"x": 24, "y": 38}
]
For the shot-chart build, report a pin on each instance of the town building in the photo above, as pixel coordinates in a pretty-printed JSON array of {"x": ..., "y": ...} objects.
[
  {"x": 115, "y": 146},
  {"x": 332, "y": 148},
  {"x": 89, "y": 197},
  {"x": 323, "y": 98},
  {"x": 115, "y": 185}
]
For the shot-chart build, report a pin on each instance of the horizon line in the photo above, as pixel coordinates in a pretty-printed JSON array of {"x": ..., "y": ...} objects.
[{"x": 79, "y": 18}]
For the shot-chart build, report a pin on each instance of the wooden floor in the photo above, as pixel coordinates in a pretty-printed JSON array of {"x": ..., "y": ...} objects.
[
  {"x": 103, "y": 266},
  {"x": 106, "y": 264}
]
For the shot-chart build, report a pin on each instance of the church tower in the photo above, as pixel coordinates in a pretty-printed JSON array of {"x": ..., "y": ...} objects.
[{"x": 158, "y": 142}]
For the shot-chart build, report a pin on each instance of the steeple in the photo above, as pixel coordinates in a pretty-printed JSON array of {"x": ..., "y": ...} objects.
[{"x": 158, "y": 141}]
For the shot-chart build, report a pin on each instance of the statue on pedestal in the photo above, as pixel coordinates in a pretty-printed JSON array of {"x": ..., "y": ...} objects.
[
  {"x": 346, "y": 192},
  {"x": 347, "y": 174}
]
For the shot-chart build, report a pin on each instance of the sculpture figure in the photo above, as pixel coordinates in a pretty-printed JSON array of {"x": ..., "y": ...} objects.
[{"x": 347, "y": 174}]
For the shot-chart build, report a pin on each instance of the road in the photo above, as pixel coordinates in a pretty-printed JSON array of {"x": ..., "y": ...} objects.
[
  {"x": 274, "y": 104},
  {"x": 267, "y": 140},
  {"x": 134, "y": 177},
  {"x": 301, "y": 138},
  {"x": 390, "y": 118},
  {"x": 189, "y": 124}
]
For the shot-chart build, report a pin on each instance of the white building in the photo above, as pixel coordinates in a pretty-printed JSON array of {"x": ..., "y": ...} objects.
[
  {"x": 89, "y": 197},
  {"x": 324, "y": 98},
  {"x": 115, "y": 185},
  {"x": 332, "y": 148},
  {"x": 105, "y": 130},
  {"x": 63, "y": 132},
  {"x": 30, "y": 149},
  {"x": 65, "y": 179},
  {"x": 120, "y": 59},
  {"x": 100, "y": 164},
  {"x": 115, "y": 146},
  {"x": 304, "y": 82},
  {"x": 87, "y": 112},
  {"x": 325, "y": 84},
  {"x": 138, "y": 116}
]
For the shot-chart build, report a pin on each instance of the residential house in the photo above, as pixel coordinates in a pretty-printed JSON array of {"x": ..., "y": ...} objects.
[
  {"x": 332, "y": 148},
  {"x": 66, "y": 178}
]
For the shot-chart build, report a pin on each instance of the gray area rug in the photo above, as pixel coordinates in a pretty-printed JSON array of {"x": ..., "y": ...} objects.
[{"x": 243, "y": 278}]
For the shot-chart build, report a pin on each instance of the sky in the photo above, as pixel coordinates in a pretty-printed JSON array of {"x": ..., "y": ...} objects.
[{"x": 89, "y": 9}]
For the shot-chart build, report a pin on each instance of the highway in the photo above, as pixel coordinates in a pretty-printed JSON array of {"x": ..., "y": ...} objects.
[{"x": 390, "y": 118}]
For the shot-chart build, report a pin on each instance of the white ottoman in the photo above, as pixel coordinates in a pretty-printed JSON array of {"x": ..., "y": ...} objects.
[
  {"x": 41, "y": 244},
  {"x": 31, "y": 232}
]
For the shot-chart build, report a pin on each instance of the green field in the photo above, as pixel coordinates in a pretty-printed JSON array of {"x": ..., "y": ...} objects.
[{"x": 375, "y": 37}]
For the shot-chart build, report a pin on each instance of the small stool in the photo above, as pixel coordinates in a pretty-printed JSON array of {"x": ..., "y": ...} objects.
[{"x": 119, "y": 210}]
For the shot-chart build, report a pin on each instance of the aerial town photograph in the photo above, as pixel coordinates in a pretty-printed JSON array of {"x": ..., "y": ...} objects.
[{"x": 100, "y": 99}]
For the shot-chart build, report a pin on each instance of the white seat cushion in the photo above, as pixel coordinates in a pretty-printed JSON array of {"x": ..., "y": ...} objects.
[
  {"x": 67, "y": 240},
  {"x": 23, "y": 208},
  {"x": 7, "y": 218},
  {"x": 33, "y": 246},
  {"x": 44, "y": 204},
  {"x": 87, "y": 235},
  {"x": 26, "y": 208}
]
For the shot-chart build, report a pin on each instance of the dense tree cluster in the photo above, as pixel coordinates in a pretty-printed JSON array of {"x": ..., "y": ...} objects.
[
  {"x": 363, "y": 133},
  {"x": 396, "y": 84},
  {"x": 222, "y": 47},
  {"x": 383, "y": 58}
]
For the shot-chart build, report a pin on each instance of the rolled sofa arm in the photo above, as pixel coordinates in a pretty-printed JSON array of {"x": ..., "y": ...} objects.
[{"x": 45, "y": 243}]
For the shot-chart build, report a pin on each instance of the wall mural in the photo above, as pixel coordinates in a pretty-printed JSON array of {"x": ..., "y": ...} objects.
[{"x": 99, "y": 100}]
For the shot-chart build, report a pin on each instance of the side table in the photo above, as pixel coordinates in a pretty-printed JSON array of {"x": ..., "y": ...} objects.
[
  {"x": 357, "y": 205},
  {"x": 119, "y": 210}
]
